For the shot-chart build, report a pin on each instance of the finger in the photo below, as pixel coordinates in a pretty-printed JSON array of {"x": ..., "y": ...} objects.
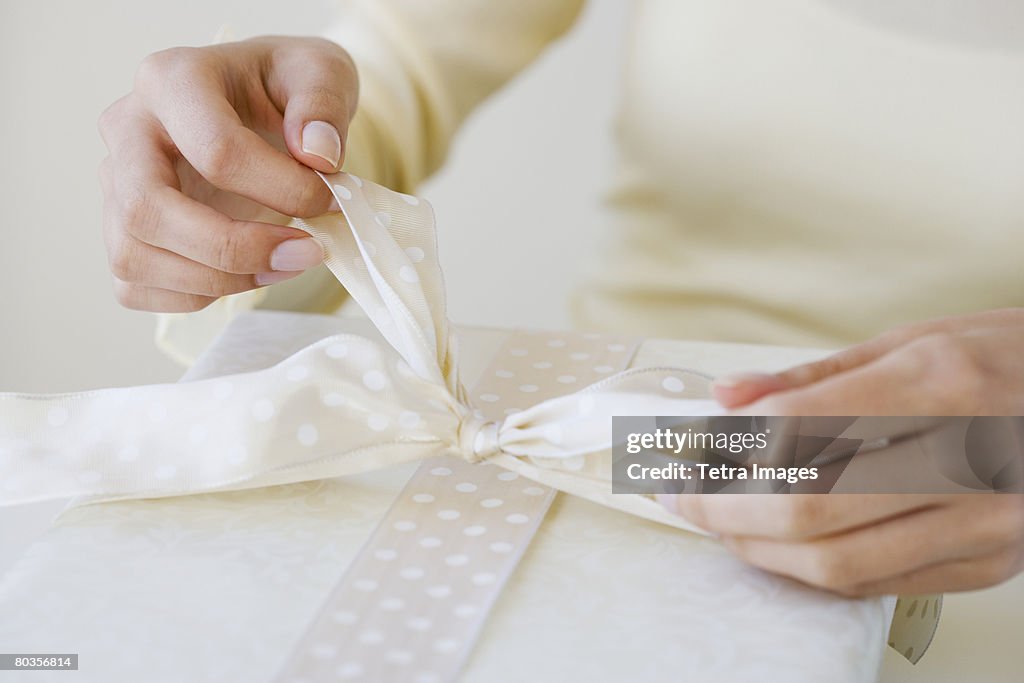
[
  {"x": 956, "y": 575},
  {"x": 875, "y": 552},
  {"x": 793, "y": 516},
  {"x": 938, "y": 374},
  {"x": 737, "y": 390},
  {"x": 148, "y": 206},
  {"x": 208, "y": 132},
  {"x": 184, "y": 226},
  {"x": 894, "y": 384},
  {"x": 743, "y": 388},
  {"x": 142, "y": 298},
  {"x": 317, "y": 89},
  {"x": 136, "y": 262},
  {"x": 114, "y": 121}
]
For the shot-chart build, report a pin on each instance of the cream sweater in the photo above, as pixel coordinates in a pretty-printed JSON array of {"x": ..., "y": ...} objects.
[{"x": 792, "y": 171}]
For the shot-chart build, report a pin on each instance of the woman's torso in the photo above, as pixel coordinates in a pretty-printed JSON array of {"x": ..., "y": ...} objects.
[{"x": 815, "y": 171}]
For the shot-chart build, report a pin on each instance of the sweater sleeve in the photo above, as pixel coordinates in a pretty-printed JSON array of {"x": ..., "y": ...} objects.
[{"x": 424, "y": 66}]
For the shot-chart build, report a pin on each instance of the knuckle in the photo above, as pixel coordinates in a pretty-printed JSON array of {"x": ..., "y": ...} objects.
[
  {"x": 320, "y": 59},
  {"x": 815, "y": 371},
  {"x": 127, "y": 295},
  {"x": 956, "y": 378},
  {"x": 852, "y": 590},
  {"x": 322, "y": 98},
  {"x": 827, "y": 568},
  {"x": 957, "y": 352},
  {"x": 219, "y": 157},
  {"x": 114, "y": 122},
  {"x": 327, "y": 54},
  {"x": 830, "y": 365},
  {"x": 139, "y": 298},
  {"x": 151, "y": 69},
  {"x": 998, "y": 568},
  {"x": 901, "y": 334},
  {"x": 799, "y": 515},
  {"x": 1008, "y": 521},
  {"x": 231, "y": 255},
  {"x": 109, "y": 117},
  {"x": 197, "y": 302},
  {"x": 210, "y": 282},
  {"x": 123, "y": 262},
  {"x": 940, "y": 348},
  {"x": 156, "y": 67},
  {"x": 137, "y": 211},
  {"x": 305, "y": 199},
  {"x": 216, "y": 283},
  {"x": 1015, "y": 508}
]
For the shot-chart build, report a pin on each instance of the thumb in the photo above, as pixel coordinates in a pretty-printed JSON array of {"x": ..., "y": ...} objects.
[{"x": 320, "y": 97}]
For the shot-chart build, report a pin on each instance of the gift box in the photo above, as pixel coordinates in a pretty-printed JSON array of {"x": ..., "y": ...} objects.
[
  {"x": 409, "y": 571},
  {"x": 220, "y": 587}
]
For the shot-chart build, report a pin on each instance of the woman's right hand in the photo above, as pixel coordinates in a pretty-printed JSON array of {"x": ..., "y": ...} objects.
[{"x": 210, "y": 147}]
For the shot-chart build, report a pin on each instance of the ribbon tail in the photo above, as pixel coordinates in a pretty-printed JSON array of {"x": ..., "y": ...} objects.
[{"x": 340, "y": 406}]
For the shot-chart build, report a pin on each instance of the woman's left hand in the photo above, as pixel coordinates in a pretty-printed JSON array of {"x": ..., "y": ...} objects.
[{"x": 884, "y": 543}]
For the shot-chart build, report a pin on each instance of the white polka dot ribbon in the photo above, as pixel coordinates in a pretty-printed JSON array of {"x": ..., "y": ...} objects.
[{"x": 343, "y": 405}]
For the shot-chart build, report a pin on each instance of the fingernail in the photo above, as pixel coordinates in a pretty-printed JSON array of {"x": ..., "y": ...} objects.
[
  {"x": 297, "y": 254},
  {"x": 733, "y": 381},
  {"x": 322, "y": 139},
  {"x": 264, "y": 279}
]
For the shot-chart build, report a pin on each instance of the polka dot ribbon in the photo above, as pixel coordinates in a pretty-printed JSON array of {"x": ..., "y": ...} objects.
[
  {"x": 343, "y": 405},
  {"x": 415, "y": 599}
]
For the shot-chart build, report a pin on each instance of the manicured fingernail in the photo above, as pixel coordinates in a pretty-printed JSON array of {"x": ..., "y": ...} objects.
[
  {"x": 733, "y": 381},
  {"x": 297, "y": 254},
  {"x": 322, "y": 139},
  {"x": 264, "y": 279}
]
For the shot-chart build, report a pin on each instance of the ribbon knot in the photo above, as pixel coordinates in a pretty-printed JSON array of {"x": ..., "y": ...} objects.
[{"x": 478, "y": 437}]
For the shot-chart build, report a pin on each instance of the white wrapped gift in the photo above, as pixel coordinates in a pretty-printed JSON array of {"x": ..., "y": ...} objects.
[
  {"x": 320, "y": 580},
  {"x": 219, "y": 587}
]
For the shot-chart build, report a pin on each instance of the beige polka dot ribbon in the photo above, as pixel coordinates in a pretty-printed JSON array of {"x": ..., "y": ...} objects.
[
  {"x": 413, "y": 602},
  {"x": 345, "y": 404}
]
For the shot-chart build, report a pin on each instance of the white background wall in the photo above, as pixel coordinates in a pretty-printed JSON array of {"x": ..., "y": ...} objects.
[{"x": 63, "y": 61}]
